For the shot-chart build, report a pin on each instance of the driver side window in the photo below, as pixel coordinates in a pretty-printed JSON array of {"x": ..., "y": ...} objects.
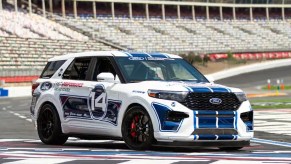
[
  {"x": 103, "y": 65},
  {"x": 78, "y": 69}
]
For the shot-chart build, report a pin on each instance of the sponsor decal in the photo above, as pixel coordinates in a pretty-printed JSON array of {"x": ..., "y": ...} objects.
[
  {"x": 149, "y": 58},
  {"x": 141, "y": 92},
  {"x": 46, "y": 86},
  {"x": 68, "y": 84},
  {"x": 62, "y": 89}
]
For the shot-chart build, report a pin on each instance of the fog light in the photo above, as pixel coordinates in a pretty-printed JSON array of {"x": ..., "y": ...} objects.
[
  {"x": 176, "y": 116},
  {"x": 247, "y": 116}
]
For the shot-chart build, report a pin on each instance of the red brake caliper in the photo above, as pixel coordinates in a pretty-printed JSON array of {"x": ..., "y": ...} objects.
[{"x": 133, "y": 126}]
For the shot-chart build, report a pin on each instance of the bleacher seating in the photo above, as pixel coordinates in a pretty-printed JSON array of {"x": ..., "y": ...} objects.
[
  {"x": 28, "y": 56},
  {"x": 34, "y": 26},
  {"x": 186, "y": 35}
]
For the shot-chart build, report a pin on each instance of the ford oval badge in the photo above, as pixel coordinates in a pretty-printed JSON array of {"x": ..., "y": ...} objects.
[{"x": 215, "y": 101}]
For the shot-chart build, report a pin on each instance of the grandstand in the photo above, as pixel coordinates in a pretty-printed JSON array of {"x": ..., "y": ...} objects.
[{"x": 30, "y": 33}]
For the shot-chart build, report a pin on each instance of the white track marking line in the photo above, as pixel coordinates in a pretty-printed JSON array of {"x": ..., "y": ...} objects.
[
  {"x": 237, "y": 162},
  {"x": 40, "y": 160},
  {"x": 271, "y": 142},
  {"x": 30, "y": 120},
  {"x": 23, "y": 117},
  {"x": 19, "y": 115}
]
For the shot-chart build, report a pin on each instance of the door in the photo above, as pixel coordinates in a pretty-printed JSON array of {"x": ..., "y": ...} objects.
[{"x": 90, "y": 106}]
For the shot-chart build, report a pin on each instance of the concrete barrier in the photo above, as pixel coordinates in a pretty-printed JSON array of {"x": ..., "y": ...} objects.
[
  {"x": 250, "y": 68},
  {"x": 26, "y": 91},
  {"x": 18, "y": 91}
]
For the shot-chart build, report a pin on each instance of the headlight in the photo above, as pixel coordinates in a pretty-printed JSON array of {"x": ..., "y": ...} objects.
[
  {"x": 241, "y": 96},
  {"x": 168, "y": 95}
]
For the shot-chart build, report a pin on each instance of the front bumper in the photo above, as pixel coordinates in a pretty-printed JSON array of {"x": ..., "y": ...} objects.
[
  {"x": 203, "y": 126},
  {"x": 219, "y": 144}
]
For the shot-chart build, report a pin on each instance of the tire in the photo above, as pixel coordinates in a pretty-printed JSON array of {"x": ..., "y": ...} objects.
[
  {"x": 230, "y": 148},
  {"x": 137, "y": 129},
  {"x": 49, "y": 126}
]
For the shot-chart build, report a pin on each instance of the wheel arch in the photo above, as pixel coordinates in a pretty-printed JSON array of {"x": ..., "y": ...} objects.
[
  {"x": 45, "y": 103},
  {"x": 147, "y": 108}
]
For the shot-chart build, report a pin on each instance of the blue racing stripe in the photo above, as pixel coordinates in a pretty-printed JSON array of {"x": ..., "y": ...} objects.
[
  {"x": 219, "y": 89},
  {"x": 201, "y": 90},
  {"x": 207, "y": 112},
  {"x": 140, "y": 55},
  {"x": 194, "y": 113},
  {"x": 128, "y": 54},
  {"x": 235, "y": 113},
  {"x": 226, "y": 137},
  {"x": 225, "y": 122},
  {"x": 207, "y": 122},
  {"x": 158, "y": 55},
  {"x": 226, "y": 113},
  {"x": 207, "y": 137}
]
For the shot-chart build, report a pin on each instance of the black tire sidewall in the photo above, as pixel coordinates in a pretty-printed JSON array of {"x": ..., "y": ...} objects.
[
  {"x": 57, "y": 136},
  {"x": 124, "y": 129}
]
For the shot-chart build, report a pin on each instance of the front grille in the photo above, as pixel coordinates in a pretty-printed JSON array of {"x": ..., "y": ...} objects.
[
  {"x": 215, "y": 132},
  {"x": 201, "y": 101}
]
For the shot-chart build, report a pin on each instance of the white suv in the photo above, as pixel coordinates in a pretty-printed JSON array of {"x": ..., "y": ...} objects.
[{"x": 142, "y": 98}]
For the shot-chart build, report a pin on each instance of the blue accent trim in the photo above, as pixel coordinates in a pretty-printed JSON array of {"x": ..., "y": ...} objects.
[
  {"x": 189, "y": 89},
  {"x": 201, "y": 90},
  {"x": 207, "y": 137},
  {"x": 207, "y": 119},
  {"x": 215, "y": 137},
  {"x": 128, "y": 54},
  {"x": 235, "y": 113},
  {"x": 167, "y": 55},
  {"x": 140, "y": 54},
  {"x": 207, "y": 122},
  {"x": 225, "y": 122},
  {"x": 220, "y": 90},
  {"x": 225, "y": 137},
  {"x": 207, "y": 112},
  {"x": 249, "y": 125},
  {"x": 164, "y": 125},
  {"x": 194, "y": 112},
  {"x": 225, "y": 113},
  {"x": 158, "y": 55}
]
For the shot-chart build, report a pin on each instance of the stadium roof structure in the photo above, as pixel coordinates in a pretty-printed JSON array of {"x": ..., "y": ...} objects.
[{"x": 234, "y": 4}]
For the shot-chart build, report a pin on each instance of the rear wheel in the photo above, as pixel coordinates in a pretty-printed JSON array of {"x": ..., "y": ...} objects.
[
  {"x": 137, "y": 129},
  {"x": 49, "y": 126}
]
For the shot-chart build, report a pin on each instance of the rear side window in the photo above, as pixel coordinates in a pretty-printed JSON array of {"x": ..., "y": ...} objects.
[
  {"x": 51, "y": 68},
  {"x": 78, "y": 69}
]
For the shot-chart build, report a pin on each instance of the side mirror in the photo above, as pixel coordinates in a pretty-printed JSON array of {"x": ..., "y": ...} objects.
[
  {"x": 210, "y": 78},
  {"x": 105, "y": 77}
]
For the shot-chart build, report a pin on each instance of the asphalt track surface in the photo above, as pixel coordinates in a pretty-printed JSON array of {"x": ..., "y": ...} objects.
[
  {"x": 19, "y": 144},
  {"x": 258, "y": 78}
]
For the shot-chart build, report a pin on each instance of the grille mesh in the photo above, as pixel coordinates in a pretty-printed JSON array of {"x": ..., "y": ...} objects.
[{"x": 201, "y": 101}]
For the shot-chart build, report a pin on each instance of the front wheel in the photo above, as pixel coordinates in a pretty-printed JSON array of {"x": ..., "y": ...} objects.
[
  {"x": 49, "y": 126},
  {"x": 137, "y": 129}
]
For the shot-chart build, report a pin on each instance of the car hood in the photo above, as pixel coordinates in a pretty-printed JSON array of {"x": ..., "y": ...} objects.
[{"x": 185, "y": 86}]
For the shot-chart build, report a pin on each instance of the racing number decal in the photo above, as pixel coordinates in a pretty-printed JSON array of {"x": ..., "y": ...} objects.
[
  {"x": 99, "y": 102},
  {"x": 101, "y": 108}
]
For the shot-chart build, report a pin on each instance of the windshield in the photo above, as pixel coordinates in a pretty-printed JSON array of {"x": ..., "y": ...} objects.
[{"x": 160, "y": 69}]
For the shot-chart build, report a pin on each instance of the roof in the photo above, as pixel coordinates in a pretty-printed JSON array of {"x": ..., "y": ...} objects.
[{"x": 114, "y": 54}]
